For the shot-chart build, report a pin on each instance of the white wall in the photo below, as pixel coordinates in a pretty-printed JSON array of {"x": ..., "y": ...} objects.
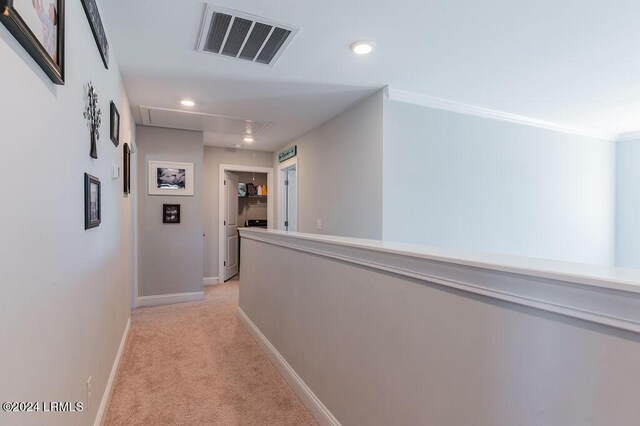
[
  {"x": 628, "y": 204},
  {"x": 65, "y": 291},
  {"x": 467, "y": 182},
  {"x": 340, "y": 173},
  {"x": 170, "y": 255},
  {"x": 213, "y": 157}
]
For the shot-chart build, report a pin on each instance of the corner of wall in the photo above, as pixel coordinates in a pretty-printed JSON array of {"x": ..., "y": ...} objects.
[{"x": 627, "y": 205}]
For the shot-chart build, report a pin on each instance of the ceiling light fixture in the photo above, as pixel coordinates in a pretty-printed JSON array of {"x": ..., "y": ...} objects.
[
  {"x": 238, "y": 146},
  {"x": 249, "y": 139},
  {"x": 187, "y": 103},
  {"x": 363, "y": 47}
]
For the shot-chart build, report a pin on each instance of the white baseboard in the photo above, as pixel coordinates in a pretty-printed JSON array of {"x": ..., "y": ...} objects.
[
  {"x": 321, "y": 413},
  {"x": 106, "y": 396},
  {"x": 210, "y": 281},
  {"x": 166, "y": 299}
]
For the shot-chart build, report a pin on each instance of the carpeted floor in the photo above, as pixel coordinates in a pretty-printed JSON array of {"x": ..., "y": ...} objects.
[{"x": 196, "y": 364}]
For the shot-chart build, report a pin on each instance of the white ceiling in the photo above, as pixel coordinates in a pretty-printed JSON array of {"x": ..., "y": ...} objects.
[{"x": 572, "y": 62}]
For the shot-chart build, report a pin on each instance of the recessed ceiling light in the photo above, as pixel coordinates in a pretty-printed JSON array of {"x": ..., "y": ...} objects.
[
  {"x": 238, "y": 146},
  {"x": 187, "y": 103},
  {"x": 363, "y": 47},
  {"x": 249, "y": 139}
]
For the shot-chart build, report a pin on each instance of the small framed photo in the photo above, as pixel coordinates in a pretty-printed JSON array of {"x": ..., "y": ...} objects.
[
  {"x": 92, "y": 201},
  {"x": 168, "y": 178},
  {"x": 171, "y": 213},
  {"x": 115, "y": 125},
  {"x": 39, "y": 28}
]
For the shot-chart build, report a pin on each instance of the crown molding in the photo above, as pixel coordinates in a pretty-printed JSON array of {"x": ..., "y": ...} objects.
[
  {"x": 405, "y": 96},
  {"x": 631, "y": 136}
]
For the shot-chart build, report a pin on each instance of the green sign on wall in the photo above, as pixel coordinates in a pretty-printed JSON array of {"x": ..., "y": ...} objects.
[{"x": 288, "y": 153}]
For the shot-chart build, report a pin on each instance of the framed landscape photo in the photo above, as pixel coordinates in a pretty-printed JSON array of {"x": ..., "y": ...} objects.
[
  {"x": 93, "y": 15},
  {"x": 92, "y": 201},
  {"x": 115, "y": 125},
  {"x": 171, "y": 213},
  {"x": 169, "y": 178},
  {"x": 38, "y": 25}
]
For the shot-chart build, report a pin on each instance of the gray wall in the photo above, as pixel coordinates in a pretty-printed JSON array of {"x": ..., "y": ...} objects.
[
  {"x": 340, "y": 173},
  {"x": 213, "y": 157},
  {"x": 65, "y": 291},
  {"x": 170, "y": 255},
  {"x": 260, "y": 178},
  {"x": 378, "y": 349},
  {"x": 628, "y": 204},
  {"x": 460, "y": 181}
]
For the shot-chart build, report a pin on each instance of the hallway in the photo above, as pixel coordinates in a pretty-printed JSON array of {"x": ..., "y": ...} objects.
[{"x": 195, "y": 364}]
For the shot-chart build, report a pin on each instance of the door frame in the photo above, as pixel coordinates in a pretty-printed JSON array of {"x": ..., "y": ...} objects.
[
  {"x": 281, "y": 200},
  {"x": 222, "y": 202},
  {"x": 134, "y": 238}
]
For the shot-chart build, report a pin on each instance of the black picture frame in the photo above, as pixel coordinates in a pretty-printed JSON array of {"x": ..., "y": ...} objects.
[
  {"x": 53, "y": 66},
  {"x": 92, "y": 212},
  {"x": 114, "y": 125},
  {"x": 171, "y": 213},
  {"x": 93, "y": 15},
  {"x": 126, "y": 162}
]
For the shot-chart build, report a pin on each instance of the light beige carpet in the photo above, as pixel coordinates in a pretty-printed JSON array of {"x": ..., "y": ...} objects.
[{"x": 196, "y": 364}]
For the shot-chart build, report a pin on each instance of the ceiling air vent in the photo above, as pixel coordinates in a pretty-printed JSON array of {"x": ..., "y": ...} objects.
[{"x": 238, "y": 35}]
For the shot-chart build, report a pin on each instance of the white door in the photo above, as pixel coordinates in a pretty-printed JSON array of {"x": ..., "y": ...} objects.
[{"x": 231, "y": 238}]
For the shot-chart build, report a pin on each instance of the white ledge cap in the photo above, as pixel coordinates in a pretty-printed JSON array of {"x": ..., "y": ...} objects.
[{"x": 593, "y": 275}]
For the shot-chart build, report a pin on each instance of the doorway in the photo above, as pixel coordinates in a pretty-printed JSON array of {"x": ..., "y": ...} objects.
[
  {"x": 237, "y": 211},
  {"x": 288, "y": 190}
]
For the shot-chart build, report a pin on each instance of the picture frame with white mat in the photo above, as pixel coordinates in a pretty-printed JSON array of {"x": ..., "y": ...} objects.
[{"x": 170, "y": 178}]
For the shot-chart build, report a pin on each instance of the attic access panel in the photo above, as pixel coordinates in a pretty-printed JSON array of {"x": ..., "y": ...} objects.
[{"x": 241, "y": 36}]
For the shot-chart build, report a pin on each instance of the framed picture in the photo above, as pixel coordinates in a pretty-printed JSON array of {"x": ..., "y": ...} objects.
[
  {"x": 168, "y": 178},
  {"x": 39, "y": 27},
  {"x": 171, "y": 213},
  {"x": 93, "y": 15},
  {"x": 115, "y": 125},
  {"x": 92, "y": 201},
  {"x": 126, "y": 162}
]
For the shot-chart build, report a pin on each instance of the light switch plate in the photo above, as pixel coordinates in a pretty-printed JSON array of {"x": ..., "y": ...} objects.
[{"x": 116, "y": 172}]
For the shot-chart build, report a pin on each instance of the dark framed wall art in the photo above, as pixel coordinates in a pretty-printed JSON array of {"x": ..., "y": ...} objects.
[
  {"x": 126, "y": 163},
  {"x": 92, "y": 201},
  {"x": 93, "y": 15},
  {"x": 115, "y": 125},
  {"x": 171, "y": 213},
  {"x": 39, "y": 27}
]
